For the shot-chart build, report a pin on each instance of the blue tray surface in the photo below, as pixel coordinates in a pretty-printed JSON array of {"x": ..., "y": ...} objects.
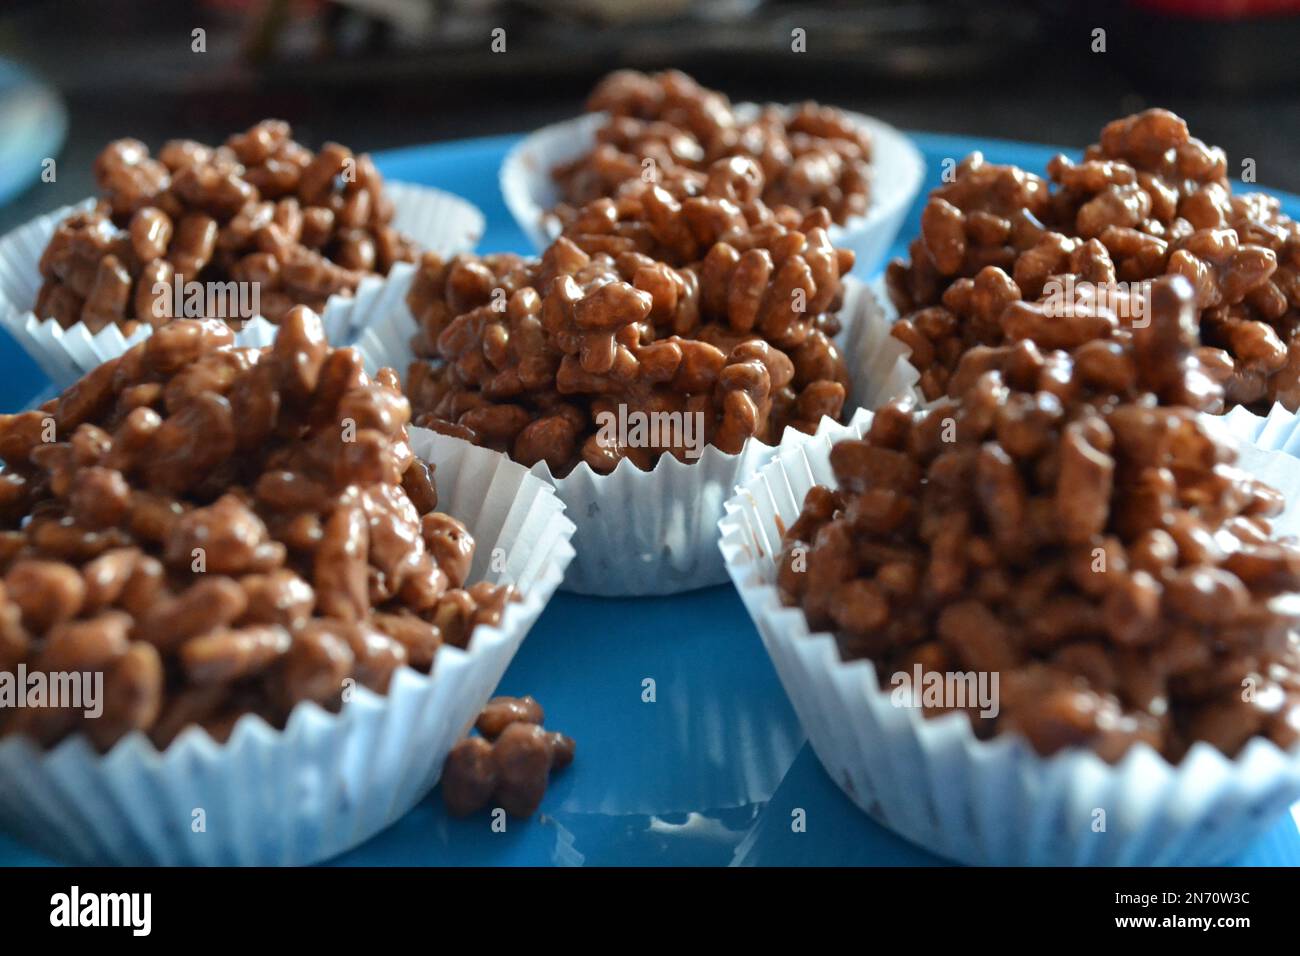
[{"x": 711, "y": 772}]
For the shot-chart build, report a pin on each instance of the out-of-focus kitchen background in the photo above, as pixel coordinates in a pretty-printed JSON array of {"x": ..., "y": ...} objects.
[{"x": 375, "y": 74}]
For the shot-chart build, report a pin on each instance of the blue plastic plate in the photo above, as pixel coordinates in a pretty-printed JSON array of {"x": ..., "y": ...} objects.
[
  {"x": 714, "y": 768},
  {"x": 34, "y": 122}
]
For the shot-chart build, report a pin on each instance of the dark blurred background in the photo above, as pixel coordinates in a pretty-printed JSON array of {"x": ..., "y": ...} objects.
[{"x": 382, "y": 73}]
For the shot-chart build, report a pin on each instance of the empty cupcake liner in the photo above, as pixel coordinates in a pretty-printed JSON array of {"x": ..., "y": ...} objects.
[
  {"x": 437, "y": 220},
  {"x": 993, "y": 802},
  {"x": 327, "y": 781},
  {"x": 898, "y": 170},
  {"x": 654, "y": 532}
]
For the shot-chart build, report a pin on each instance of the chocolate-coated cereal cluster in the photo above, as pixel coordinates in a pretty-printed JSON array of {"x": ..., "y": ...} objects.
[
  {"x": 1147, "y": 200},
  {"x": 223, "y": 531},
  {"x": 811, "y": 156},
  {"x": 1063, "y": 518},
  {"x": 262, "y": 209},
  {"x": 708, "y": 304}
]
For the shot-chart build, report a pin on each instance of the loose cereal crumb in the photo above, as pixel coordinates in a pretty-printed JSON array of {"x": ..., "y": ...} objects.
[{"x": 509, "y": 765}]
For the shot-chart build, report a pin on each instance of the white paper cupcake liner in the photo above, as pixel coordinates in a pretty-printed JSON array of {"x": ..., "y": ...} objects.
[
  {"x": 1277, "y": 430},
  {"x": 992, "y": 802},
  {"x": 326, "y": 782},
  {"x": 438, "y": 221},
  {"x": 655, "y": 532},
  {"x": 878, "y": 363},
  {"x": 897, "y": 172}
]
